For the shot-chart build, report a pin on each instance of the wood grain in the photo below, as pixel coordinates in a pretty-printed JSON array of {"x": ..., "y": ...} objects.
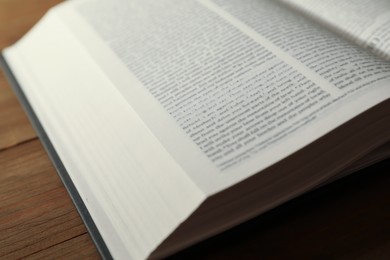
[
  {"x": 37, "y": 217},
  {"x": 36, "y": 213},
  {"x": 346, "y": 220}
]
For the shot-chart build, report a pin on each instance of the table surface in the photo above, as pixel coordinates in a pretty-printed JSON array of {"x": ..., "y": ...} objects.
[{"x": 347, "y": 219}]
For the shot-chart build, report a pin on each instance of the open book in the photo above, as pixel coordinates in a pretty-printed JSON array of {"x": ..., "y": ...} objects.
[{"x": 171, "y": 121}]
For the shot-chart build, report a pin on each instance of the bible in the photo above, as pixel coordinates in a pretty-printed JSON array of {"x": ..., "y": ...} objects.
[{"x": 171, "y": 121}]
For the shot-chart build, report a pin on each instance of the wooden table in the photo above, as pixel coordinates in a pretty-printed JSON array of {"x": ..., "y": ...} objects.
[
  {"x": 37, "y": 217},
  {"x": 348, "y": 219}
]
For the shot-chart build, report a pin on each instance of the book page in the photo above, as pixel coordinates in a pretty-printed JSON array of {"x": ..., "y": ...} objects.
[
  {"x": 229, "y": 87},
  {"x": 155, "y": 105},
  {"x": 104, "y": 145},
  {"x": 367, "y": 22}
]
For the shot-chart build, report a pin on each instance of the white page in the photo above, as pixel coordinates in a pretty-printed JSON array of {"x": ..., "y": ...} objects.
[
  {"x": 367, "y": 22},
  {"x": 135, "y": 192},
  {"x": 162, "y": 150},
  {"x": 161, "y": 49}
]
